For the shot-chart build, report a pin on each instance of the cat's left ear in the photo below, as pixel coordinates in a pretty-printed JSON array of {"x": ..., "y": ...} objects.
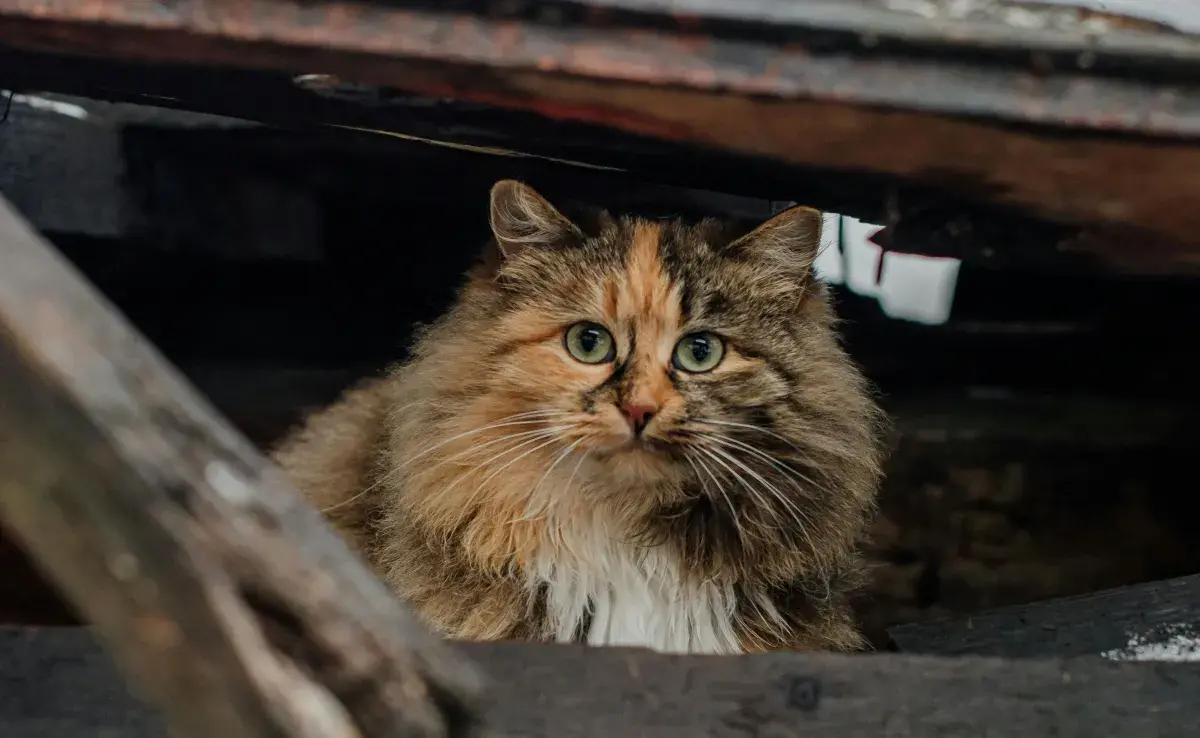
[
  {"x": 521, "y": 219},
  {"x": 789, "y": 240}
]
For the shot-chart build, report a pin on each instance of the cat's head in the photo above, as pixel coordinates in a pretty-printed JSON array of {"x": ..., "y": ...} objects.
[{"x": 692, "y": 367}]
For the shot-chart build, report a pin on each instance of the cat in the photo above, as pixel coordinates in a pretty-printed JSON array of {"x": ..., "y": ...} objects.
[{"x": 624, "y": 432}]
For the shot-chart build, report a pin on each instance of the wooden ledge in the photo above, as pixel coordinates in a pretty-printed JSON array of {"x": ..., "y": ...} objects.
[{"x": 58, "y": 683}]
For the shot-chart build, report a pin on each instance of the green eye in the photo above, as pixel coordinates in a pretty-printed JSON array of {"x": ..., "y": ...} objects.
[
  {"x": 698, "y": 353},
  {"x": 590, "y": 343}
]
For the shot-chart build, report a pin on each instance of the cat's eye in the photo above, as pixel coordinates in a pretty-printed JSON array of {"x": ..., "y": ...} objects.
[
  {"x": 590, "y": 343},
  {"x": 698, "y": 353}
]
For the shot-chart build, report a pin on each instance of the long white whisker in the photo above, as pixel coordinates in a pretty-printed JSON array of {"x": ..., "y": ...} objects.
[
  {"x": 797, "y": 515},
  {"x": 565, "y": 453},
  {"x": 704, "y": 485},
  {"x": 510, "y": 463},
  {"x": 473, "y": 450},
  {"x": 766, "y": 431},
  {"x": 541, "y": 434},
  {"x": 575, "y": 471},
  {"x": 815, "y": 441},
  {"x": 767, "y": 484},
  {"x": 394, "y": 471},
  {"x": 520, "y": 419},
  {"x": 533, "y": 495},
  {"x": 759, "y": 500},
  {"x": 468, "y": 504},
  {"x": 794, "y": 474}
]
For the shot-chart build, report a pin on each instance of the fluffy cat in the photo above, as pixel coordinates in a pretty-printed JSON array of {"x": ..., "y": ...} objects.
[{"x": 625, "y": 432}]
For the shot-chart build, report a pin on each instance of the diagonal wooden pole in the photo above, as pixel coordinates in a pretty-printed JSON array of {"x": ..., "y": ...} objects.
[{"x": 224, "y": 599}]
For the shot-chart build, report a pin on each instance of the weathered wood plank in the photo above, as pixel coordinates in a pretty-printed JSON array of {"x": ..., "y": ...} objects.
[
  {"x": 59, "y": 684},
  {"x": 863, "y": 96},
  {"x": 1121, "y": 623},
  {"x": 379, "y": 123},
  {"x": 223, "y": 597}
]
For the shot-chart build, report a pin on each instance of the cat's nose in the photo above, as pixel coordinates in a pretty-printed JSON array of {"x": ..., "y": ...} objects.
[{"x": 638, "y": 416}]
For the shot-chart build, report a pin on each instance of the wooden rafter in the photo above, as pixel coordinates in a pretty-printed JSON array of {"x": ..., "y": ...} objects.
[{"x": 1063, "y": 122}]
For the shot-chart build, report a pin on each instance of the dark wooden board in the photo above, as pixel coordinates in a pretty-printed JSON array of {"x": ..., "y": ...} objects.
[
  {"x": 59, "y": 684},
  {"x": 169, "y": 177},
  {"x": 1058, "y": 138},
  {"x": 344, "y": 124},
  {"x": 1145, "y": 614}
]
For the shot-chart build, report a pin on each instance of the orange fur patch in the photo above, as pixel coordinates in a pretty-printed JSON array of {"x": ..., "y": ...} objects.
[{"x": 645, "y": 298}]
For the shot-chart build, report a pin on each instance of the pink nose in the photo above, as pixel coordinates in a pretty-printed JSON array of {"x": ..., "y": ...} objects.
[{"x": 638, "y": 416}]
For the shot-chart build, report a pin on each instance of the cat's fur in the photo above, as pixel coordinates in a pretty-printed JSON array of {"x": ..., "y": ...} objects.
[{"x": 494, "y": 525}]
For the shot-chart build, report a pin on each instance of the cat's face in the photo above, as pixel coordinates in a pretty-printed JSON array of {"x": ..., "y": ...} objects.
[
  {"x": 681, "y": 379},
  {"x": 652, "y": 345},
  {"x": 614, "y": 347}
]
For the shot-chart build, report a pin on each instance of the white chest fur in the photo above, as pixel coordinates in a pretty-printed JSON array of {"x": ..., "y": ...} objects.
[{"x": 637, "y": 595}]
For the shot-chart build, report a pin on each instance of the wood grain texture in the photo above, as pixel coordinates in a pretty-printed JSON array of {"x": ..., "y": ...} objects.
[
  {"x": 1087, "y": 625},
  {"x": 59, "y": 684},
  {"x": 1002, "y": 121},
  {"x": 224, "y": 598}
]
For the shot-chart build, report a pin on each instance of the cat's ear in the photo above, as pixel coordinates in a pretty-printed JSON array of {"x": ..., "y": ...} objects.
[
  {"x": 521, "y": 219},
  {"x": 789, "y": 240}
]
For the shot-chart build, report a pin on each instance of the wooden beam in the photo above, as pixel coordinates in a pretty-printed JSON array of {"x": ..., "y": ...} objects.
[
  {"x": 575, "y": 692},
  {"x": 823, "y": 85},
  {"x": 388, "y": 129},
  {"x": 224, "y": 598},
  {"x": 1124, "y": 623}
]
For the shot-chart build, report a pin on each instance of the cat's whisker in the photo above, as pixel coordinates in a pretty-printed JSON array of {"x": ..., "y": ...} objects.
[
  {"x": 575, "y": 471},
  {"x": 475, "y": 450},
  {"x": 798, "y": 516},
  {"x": 713, "y": 476},
  {"x": 746, "y": 426},
  {"x": 508, "y": 421},
  {"x": 526, "y": 438},
  {"x": 796, "y": 477},
  {"x": 558, "y": 459},
  {"x": 399, "y": 411},
  {"x": 468, "y": 505},
  {"x": 767, "y": 484},
  {"x": 788, "y": 469},
  {"x": 510, "y": 463},
  {"x": 815, "y": 439},
  {"x": 752, "y": 491},
  {"x": 482, "y": 486},
  {"x": 529, "y": 437},
  {"x": 533, "y": 496},
  {"x": 554, "y": 435},
  {"x": 703, "y": 484},
  {"x": 704, "y": 487}
]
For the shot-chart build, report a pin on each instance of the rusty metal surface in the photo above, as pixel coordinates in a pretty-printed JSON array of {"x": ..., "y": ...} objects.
[{"x": 925, "y": 111}]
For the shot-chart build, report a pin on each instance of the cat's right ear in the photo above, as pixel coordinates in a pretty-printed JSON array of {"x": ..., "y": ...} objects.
[{"x": 521, "y": 219}]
